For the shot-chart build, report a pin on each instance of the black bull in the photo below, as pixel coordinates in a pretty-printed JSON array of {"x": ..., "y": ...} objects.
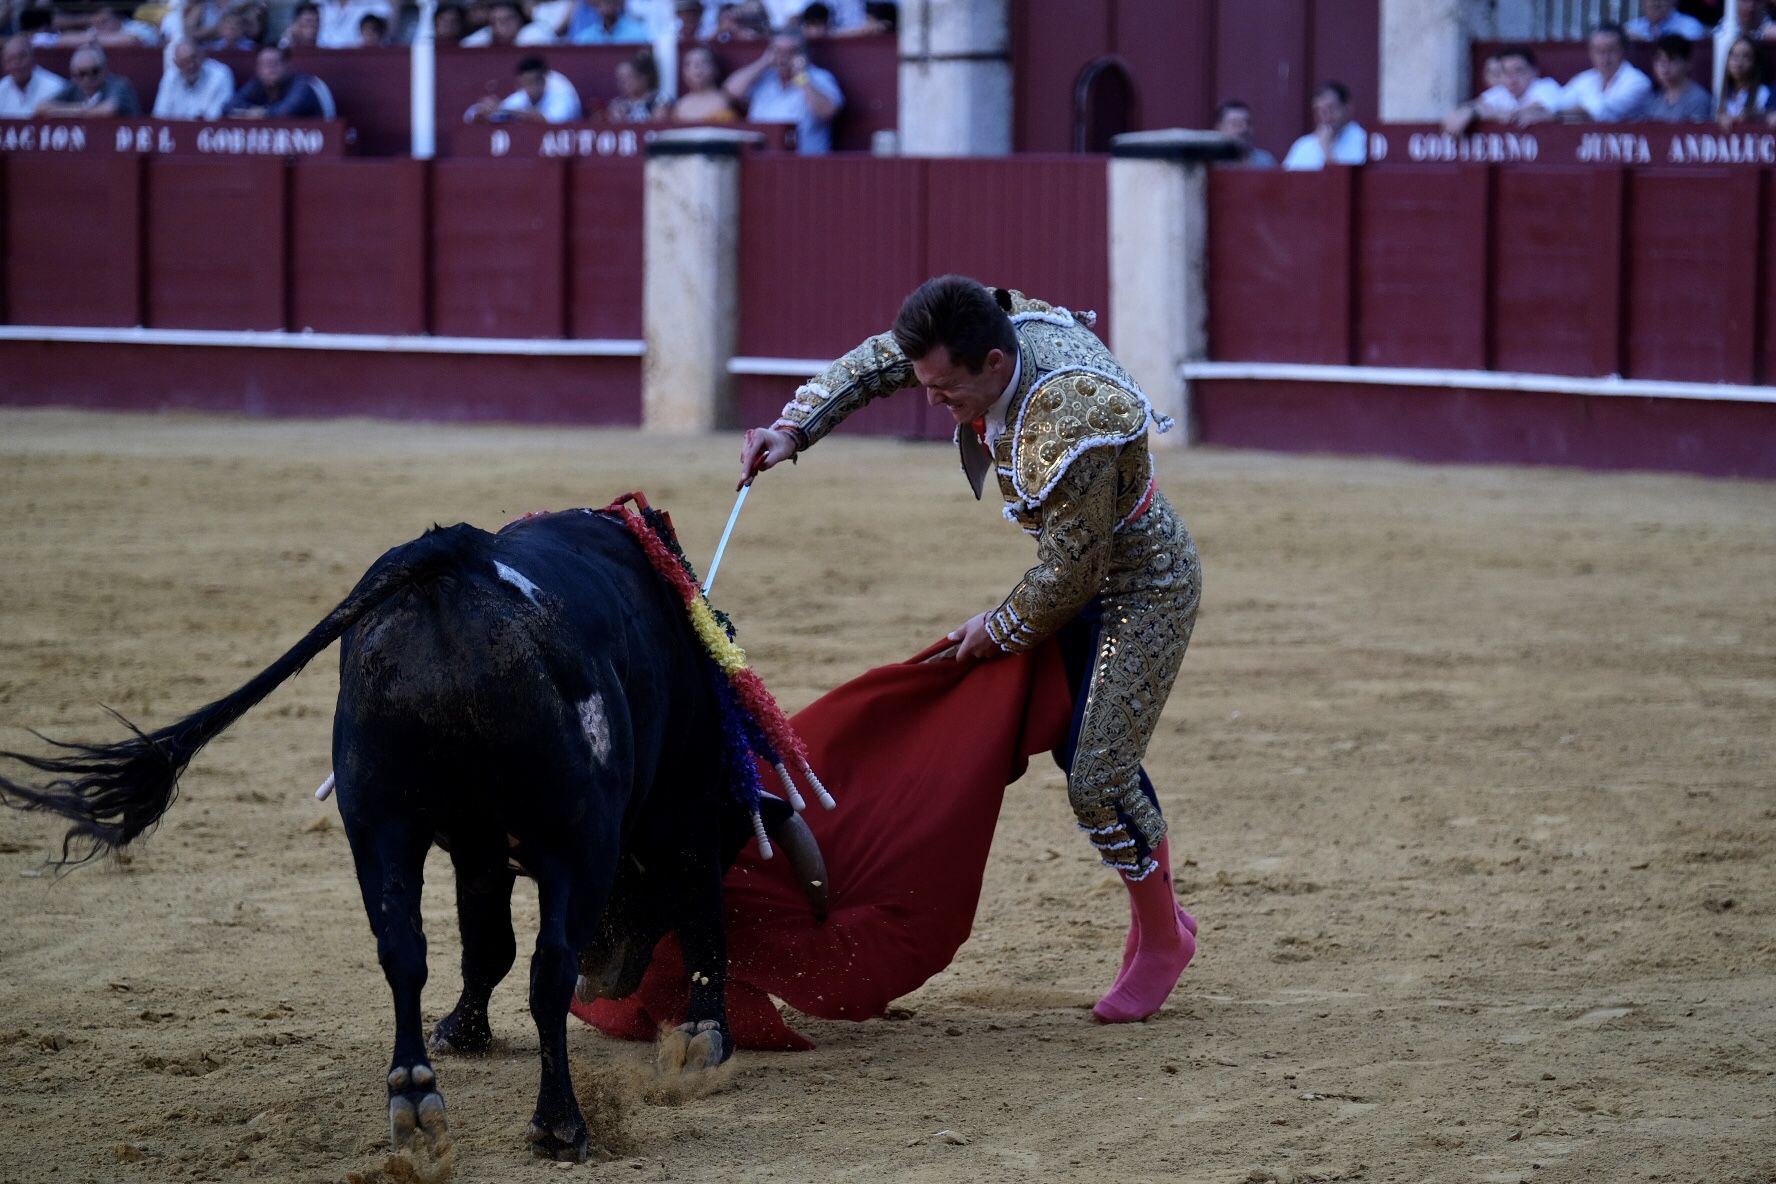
[{"x": 532, "y": 701}]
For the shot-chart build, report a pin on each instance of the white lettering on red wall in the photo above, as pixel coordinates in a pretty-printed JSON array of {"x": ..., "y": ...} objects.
[{"x": 42, "y": 137}]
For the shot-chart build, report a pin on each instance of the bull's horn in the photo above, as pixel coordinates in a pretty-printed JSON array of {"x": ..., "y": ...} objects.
[{"x": 797, "y": 841}]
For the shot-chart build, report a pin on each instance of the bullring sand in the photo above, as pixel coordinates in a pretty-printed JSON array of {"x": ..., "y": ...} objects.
[{"x": 1472, "y": 768}]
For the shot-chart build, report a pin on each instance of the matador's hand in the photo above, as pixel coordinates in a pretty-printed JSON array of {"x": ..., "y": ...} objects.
[
  {"x": 973, "y": 642},
  {"x": 762, "y": 449}
]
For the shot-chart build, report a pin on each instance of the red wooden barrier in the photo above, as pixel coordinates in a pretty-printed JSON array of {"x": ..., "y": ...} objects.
[
  {"x": 1420, "y": 268},
  {"x": 1767, "y": 288},
  {"x": 215, "y": 235},
  {"x": 1691, "y": 279},
  {"x": 499, "y": 248},
  {"x": 828, "y": 249},
  {"x": 1280, "y": 265},
  {"x": 1724, "y": 439},
  {"x": 1651, "y": 273},
  {"x": 1557, "y": 271},
  {"x": 605, "y": 248},
  {"x": 358, "y": 246},
  {"x": 73, "y": 240}
]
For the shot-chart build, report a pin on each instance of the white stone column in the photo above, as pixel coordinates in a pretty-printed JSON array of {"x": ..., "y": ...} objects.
[
  {"x": 691, "y": 278},
  {"x": 955, "y": 77},
  {"x": 1424, "y": 59},
  {"x": 1159, "y": 296}
]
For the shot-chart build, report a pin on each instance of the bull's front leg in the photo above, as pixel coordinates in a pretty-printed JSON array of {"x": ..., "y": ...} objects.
[
  {"x": 702, "y": 936},
  {"x": 557, "y": 1129}
]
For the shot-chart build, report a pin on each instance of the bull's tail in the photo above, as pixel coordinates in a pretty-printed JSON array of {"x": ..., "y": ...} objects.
[{"x": 114, "y": 792}]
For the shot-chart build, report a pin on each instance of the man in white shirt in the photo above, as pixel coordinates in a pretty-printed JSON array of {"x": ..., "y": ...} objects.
[
  {"x": 196, "y": 87},
  {"x": 1611, "y": 91},
  {"x": 26, "y": 85},
  {"x": 543, "y": 96},
  {"x": 1660, "y": 19},
  {"x": 340, "y": 20},
  {"x": 1520, "y": 85},
  {"x": 1336, "y": 139}
]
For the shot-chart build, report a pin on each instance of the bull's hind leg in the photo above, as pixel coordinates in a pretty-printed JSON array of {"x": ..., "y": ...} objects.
[
  {"x": 568, "y": 909},
  {"x": 390, "y": 857},
  {"x": 484, "y": 914}
]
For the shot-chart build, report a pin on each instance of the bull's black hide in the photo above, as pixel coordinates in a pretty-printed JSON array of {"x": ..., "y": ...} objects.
[{"x": 534, "y": 701}]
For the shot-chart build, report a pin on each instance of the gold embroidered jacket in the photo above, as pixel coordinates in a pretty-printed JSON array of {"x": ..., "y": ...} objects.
[{"x": 1072, "y": 465}]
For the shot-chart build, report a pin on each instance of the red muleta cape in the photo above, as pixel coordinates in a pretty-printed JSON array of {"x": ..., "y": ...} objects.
[{"x": 918, "y": 755}]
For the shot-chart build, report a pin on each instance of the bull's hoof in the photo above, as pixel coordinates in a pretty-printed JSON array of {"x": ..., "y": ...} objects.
[
  {"x": 463, "y": 1031},
  {"x": 416, "y": 1108},
  {"x": 694, "y": 1047},
  {"x": 565, "y": 1142}
]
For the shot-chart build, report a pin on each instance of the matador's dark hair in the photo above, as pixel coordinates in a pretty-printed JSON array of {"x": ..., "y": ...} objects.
[{"x": 961, "y": 314}]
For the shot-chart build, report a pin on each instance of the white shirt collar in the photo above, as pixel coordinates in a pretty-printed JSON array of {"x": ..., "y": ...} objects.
[{"x": 996, "y": 413}]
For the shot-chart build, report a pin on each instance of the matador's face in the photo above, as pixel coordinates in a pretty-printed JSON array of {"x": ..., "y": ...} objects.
[{"x": 950, "y": 384}]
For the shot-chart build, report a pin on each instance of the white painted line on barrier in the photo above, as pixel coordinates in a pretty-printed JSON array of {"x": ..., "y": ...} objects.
[
  {"x": 779, "y": 367},
  {"x": 1486, "y": 380},
  {"x": 336, "y": 342}
]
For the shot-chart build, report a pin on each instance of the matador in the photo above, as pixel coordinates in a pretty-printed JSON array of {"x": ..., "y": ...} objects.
[{"x": 1044, "y": 407}]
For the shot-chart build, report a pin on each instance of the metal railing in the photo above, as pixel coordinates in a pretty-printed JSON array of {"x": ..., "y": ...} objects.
[{"x": 1571, "y": 20}]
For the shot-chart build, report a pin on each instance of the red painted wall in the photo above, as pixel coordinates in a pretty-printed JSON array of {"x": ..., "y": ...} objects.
[
  {"x": 92, "y": 277},
  {"x": 1651, "y": 273},
  {"x": 828, "y": 249},
  {"x": 1186, "y": 55},
  {"x": 358, "y": 245},
  {"x": 1502, "y": 427}
]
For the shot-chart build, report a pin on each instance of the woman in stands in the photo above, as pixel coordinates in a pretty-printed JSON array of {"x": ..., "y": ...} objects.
[
  {"x": 1743, "y": 94},
  {"x": 701, "y": 98},
  {"x": 638, "y": 91}
]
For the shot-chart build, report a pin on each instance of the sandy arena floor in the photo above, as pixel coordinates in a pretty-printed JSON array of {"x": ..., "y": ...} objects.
[{"x": 1473, "y": 769}]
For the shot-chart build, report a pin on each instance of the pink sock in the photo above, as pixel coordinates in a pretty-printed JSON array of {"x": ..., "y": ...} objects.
[
  {"x": 1163, "y": 939},
  {"x": 1162, "y": 855}
]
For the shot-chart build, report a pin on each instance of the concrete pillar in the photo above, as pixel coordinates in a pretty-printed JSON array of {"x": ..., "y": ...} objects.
[
  {"x": 691, "y": 284},
  {"x": 1159, "y": 297},
  {"x": 955, "y": 77},
  {"x": 1424, "y": 59}
]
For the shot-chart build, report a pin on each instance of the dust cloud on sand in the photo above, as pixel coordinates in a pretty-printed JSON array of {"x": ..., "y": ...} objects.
[{"x": 1471, "y": 771}]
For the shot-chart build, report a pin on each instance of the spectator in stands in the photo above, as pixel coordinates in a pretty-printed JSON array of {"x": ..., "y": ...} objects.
[
  {"x": 195, "y": 86},
  {"x": 638, "y": 91},
  {"x": 1336, "y": 138},
  {"x": 815, "y": 23},
  {"x": 741, "y": 20},
  {"x": 1233, "y": 118},
  {"x": 543, "y": 96},
  {"x": 1521, "y": 85},
  {"x": 701, "y": 98},
  {"x": 26, "y": 85},
  {"x": 39, "y": 25},
  {"x": 1611, "y": 91},
  {"x": 276, "y": 91},
  {"x": 604, "y": 22},
  {"x": 1677, "y": 99},
  {"x": 116, "y": 29},
  {"x": 784, "y": 87},
  {"x": 93, "y": 90},
  {"x": 1743, "y": 93},
  {"x": 195, "y": 20},
  {"x": 507, "y": 25},
  {"x": 231, "y": 32},
  {"x": 450, "y": 24},
  {"x": 373, "y": 30},
  {"x": 341, "y": 22},
  {"x": 305, "y": 26},
  {"x": 1492, "y": 72},
  {"x": 1753, "y": 19},
  {"x": 1660, "y": 19}
]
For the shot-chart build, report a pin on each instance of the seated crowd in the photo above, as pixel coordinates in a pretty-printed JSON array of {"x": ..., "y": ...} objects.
[{"x": 779, "y": 86}]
